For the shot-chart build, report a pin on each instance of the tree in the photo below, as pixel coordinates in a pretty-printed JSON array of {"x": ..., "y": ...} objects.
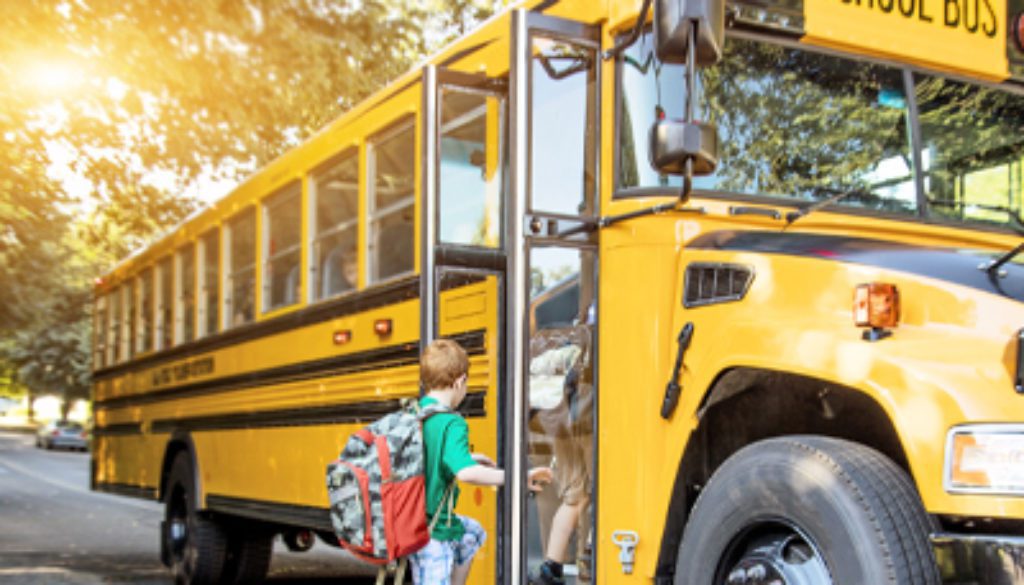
[{"x": 139, "y": 99}]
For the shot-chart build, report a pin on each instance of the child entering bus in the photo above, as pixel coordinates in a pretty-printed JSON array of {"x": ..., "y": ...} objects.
[{"x": 454, "y": 539}]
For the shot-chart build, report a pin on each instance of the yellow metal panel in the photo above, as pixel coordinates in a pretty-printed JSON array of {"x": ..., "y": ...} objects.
[{"x": 967, "y": 36}]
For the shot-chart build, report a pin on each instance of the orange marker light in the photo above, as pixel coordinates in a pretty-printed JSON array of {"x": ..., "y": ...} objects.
[
  {"x": 342, "y": 337},
  {"x": 876, "y": 305},
  {"x": 382, "y": 327},
  {"x": 963, "y": 473}
]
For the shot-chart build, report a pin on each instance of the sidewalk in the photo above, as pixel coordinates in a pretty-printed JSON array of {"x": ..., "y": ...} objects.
[{"x": 17, "y": 424}]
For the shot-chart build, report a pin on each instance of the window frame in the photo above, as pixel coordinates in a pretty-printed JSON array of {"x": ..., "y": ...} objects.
[
  {"x": 375, "y": 215},
  {"x": 276, "y": 200},
  {"x": 316, "y": 237}
]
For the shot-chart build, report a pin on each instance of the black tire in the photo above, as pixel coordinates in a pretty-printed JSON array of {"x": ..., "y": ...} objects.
[
  {"x": 249, "y": 550},
  {"x": 196, "y": 545},
  {"x": 807, "y": 509}
]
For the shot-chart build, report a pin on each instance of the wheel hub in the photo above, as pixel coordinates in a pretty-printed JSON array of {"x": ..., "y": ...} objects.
[{"x": 783, "y": 558}]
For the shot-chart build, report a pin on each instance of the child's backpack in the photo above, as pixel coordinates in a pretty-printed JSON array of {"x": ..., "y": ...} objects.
[{"x": 377, "y": 488}]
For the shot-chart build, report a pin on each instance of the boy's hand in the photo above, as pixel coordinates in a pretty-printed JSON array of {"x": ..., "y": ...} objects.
[
  {"x": 537, "y": 477},
  {"x": 482, "y": 459}
]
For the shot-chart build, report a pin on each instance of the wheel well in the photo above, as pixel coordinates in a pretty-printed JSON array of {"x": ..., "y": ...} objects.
[
  {"x": 745, "y": 405},
  {"x": 177, "y": 444}
]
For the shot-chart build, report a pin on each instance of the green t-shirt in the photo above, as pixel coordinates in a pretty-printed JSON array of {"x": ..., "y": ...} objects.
[{"x": 446, "y": 446}]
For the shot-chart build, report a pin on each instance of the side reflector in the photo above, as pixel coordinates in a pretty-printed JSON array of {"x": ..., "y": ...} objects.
[
  {"x": 342, "y": 337},
  {"x": 382, "y": 327},
  {"x": 876, "y": 305}
]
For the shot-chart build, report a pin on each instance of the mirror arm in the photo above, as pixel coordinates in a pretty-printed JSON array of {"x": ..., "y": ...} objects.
[
  {"x": 634, "y": 35},
  {"x": 691, "y": 89}
]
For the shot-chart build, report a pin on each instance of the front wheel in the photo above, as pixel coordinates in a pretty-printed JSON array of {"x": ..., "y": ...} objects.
[
  {"x": 195, "y": 547},
  {"x": 806, "y": 510}
]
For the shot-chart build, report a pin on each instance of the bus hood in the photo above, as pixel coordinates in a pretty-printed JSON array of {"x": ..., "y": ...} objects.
[{"x": 955, "y": 265}]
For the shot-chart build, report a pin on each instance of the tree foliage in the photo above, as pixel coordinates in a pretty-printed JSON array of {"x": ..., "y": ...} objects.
[{"x": 110, "y": 109}]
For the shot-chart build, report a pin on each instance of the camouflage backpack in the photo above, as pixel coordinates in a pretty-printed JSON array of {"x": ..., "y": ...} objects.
[{"x": 377, "y": 488}]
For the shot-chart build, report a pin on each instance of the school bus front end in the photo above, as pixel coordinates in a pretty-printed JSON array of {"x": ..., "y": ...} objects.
[
  {"x": 773, "y": 350},
  {"x": 809, "y": 365}
]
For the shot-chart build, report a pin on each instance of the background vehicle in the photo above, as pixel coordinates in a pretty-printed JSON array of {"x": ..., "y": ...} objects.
[
  {"x": 62, "y": 435},
  {"x": 808, "y": 370}
]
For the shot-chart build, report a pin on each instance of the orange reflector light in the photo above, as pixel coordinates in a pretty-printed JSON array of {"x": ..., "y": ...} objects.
[
  {"x": 986, "y": 458},
  {"x": 342, "y": 337},
  {"x": 876, "y": 305},
  {"x": 382, "y": 327},
  {"x": 965, "y": 472}
]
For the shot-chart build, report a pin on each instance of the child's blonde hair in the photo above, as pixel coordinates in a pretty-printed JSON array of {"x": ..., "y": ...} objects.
[{"x": 441, "y": 364}]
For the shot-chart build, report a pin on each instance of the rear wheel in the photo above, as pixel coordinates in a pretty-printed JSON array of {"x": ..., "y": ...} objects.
[
  {"x": 807, "y": 510},
  {"x": 248, "y": 554},
  {"x": 195, "y": 546}
]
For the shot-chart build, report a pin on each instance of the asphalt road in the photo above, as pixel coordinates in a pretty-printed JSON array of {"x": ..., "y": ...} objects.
[{"x": 54, "y": 530}]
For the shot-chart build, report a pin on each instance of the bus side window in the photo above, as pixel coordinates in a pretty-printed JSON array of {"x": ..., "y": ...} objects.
[
  {"x": 391, "y": 160},
  {"x": 209, "y": 283},
  {"x": 165, "y": 311},
  {"x": 470, "y": 173},
  {"x": 131, "y": 290},
  {"x": 185, "y": 290},
  {"x": 115, "y": 299},
  {"x": 335, "y": 191},
  {"x": 282, "y": 246},
  {"x": 100, "y": 331},
  {"x": 145, "y": 322},
  {"x": 241, "y": 287}
]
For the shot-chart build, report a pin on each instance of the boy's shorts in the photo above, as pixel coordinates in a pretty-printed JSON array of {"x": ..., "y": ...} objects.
[
  {"x": 572, "y": 470},
  {"x": 432, "y": 564}
]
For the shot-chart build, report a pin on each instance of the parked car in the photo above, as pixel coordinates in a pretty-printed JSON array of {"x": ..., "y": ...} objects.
[{"x": 66, "y": 434}]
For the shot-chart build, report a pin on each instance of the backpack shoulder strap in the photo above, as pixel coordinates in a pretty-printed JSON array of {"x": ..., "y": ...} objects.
[{"x": 425, "y": 412}]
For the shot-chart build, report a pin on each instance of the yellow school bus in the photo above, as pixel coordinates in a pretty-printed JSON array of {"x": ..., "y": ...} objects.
[{"x": 745, "y": 274}]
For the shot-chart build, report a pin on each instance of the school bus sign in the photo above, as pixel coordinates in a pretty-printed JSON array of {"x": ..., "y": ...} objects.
[{"x": 968, "y": 36}]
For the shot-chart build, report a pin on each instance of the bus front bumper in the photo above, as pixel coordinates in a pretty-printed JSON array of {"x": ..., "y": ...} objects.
[{"x": 981, "y": 559}]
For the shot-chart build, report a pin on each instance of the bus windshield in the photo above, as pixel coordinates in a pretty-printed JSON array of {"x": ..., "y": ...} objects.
[{"x": 808, "y": 126}]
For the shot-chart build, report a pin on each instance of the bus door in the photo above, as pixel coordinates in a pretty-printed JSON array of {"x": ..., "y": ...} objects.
[
  {"x": 552, "y": 308},
  {"x": 464, "y": 260}
]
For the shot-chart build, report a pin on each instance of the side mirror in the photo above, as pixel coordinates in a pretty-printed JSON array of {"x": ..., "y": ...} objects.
[
  {"x": 675, "y": 22},
  {"x": 690, "y": 32},
  {"x": 673, "y": 143}
]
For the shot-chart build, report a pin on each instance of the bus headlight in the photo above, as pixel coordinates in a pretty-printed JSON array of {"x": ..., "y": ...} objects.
[{"x": 985, "y": 459}]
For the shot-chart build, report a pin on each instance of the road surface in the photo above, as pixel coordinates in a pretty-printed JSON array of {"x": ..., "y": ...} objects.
[{"x": 54, "y": 530}]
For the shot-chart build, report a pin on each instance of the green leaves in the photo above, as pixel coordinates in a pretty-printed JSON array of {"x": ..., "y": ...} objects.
[{"x": 109, "y": 109}]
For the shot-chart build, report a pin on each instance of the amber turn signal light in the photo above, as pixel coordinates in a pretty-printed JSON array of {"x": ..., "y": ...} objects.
[
  {"x": 342, "y": 337},
  {"x": 876, "y": 305},
  {"x": 382, "y": 327}
]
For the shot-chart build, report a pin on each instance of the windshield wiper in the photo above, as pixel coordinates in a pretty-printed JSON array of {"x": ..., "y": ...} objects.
[
  {"x": 992, "y": 268},
  {"x": 792, "y": 216},
  {"x": 1016, "y": 224}
]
